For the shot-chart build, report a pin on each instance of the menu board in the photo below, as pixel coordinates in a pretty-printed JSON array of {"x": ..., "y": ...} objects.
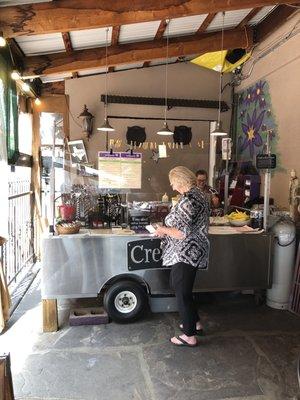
[
  {"x": 119, "y": 170},
  {"x": 138, "y": 223}
]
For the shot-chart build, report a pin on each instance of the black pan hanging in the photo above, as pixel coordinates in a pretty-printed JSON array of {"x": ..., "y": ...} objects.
[
  {"x": 182, "y": 134},
  {"x": 135, "y": 135}
]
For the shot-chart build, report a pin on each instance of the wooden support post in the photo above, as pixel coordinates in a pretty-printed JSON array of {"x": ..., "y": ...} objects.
[{"x": 50, "y": 320}]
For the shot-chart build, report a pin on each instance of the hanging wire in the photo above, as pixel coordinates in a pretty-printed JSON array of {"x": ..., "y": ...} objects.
[
  {"x": 166, "y": 71},
  {"x": 221, "y": 74},
  {"x": 106, "y": 73}
]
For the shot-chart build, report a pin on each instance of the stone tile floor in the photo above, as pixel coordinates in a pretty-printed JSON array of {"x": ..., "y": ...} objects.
[{"x": 248, "y": 352}]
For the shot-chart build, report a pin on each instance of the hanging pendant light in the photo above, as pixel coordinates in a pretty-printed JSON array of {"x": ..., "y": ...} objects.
[
  {"x": 165, "y": 130},
  {"x": 106, "y": 127},
  {"x": 219, "y": 131}
]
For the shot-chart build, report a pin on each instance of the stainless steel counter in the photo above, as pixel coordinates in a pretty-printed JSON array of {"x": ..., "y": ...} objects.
[{"x": 76, "y": 266}]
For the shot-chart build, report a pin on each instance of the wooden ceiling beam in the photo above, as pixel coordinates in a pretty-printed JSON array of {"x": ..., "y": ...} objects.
[
  {"x": 134, "y": 52},
  {"x": 115, "y": 35},
  {"x": 161, "y": 30},
  {"x": 67, "y": 42},
  {"x": 69, "y": 15},
  {"x": 248, "y": 17},
  {"x": 206, "y": 23},
  {"x": 277, "y": 18},
  {"x": 51, "y": 88}
]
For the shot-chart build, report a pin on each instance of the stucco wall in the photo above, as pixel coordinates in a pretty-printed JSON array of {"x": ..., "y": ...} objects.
[
  {"x": 281, "y": 69},
  {"x": 185, "y": 81}
]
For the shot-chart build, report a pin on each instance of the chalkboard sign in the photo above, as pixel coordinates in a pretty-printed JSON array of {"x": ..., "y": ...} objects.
[
  {"x": 144, "y": 254},
  {"x": 266, "y": 161},
  {"x": 138, "y": 223}
]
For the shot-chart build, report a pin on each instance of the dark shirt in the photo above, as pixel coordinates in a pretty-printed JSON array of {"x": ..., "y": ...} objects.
[{"x": 190, "y": 216}]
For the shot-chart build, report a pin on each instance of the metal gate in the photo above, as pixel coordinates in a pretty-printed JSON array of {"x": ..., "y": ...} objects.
[{"x": 18, "y": 251}]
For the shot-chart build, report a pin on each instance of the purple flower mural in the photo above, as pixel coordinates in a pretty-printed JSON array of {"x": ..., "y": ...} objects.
[
  {"x": 258, "y": 94},
  {"x": 255, "y": 121},
  {"x": 251, "y": 132},
  {"x": 249, "y": 97}
]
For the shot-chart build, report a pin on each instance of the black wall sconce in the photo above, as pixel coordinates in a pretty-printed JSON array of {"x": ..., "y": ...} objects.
[{"x": 87, "y": 122}]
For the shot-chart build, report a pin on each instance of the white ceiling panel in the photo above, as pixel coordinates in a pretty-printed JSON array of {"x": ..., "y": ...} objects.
[
  {"x": 92, "y": 71},
  {"x": 55, "y": 78},
  {"x": 88, "y": 38},
  {"x": 6, "y": 3},
  {"x": 128, "y": 66},
  {"x": 185, "y": 25},
  {"x": 261, "y": 15},
  {"x": 231, "y": 19},
  {"x": 138, "y": 32},
  {"x": 41, "y": 44},
  {"x": 162, "y": 61}
]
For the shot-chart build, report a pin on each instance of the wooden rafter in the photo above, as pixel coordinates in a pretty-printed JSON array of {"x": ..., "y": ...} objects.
[
  {"x": 274, "y": 21},
  {"x": 68, "y": 15},
  {"x": 69, "y": 49},
  {"x": 134, "y": 52},
  {"x": 161, "y": 30},
  {"x": 115, "y": 35},
  {"x": 17, "y": 53},
  {"x": 206, "y": 23},
  {"x": 67, "y": 42},
  {"x": 51, "y": 88},
  {"x": 248, "y": 17}
]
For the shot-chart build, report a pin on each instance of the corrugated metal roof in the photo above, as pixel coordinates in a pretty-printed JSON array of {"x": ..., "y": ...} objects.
[
  {"x": 185, "y": 25},
  {"x": 261, "y": 15},
  {"x": 88, "y": 38},
  {"x": 41, "y": 44},
  {"x": 231, "y": 19},
  {"x": 6, "y": 3},
  {"x": 138, "y": 32},
  {"x": 92, "y": 71},
  {"x": 128, "y": 66},
  {"x": 55, "y": 78}
]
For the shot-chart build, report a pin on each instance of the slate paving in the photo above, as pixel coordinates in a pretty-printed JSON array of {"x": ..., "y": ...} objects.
[{"x": 249, "y": 352}]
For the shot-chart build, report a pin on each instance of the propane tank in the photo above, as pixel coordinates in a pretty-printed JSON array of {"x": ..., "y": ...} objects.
[{"x": 284, "y": 232}]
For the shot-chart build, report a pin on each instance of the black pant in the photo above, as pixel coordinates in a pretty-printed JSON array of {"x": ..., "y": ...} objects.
[{"x": 182, "y": 279}]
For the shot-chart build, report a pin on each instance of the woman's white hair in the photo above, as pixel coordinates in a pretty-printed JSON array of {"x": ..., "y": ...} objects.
[{"x": 182, "y": 176}]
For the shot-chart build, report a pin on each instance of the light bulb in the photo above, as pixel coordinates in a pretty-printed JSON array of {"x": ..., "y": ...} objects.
[
  {"x": 37, "y": 102},
  {"x": 15, "y": 75},
  {"x": 25, "y": 87},
  {"x": 2, "y": 41}
]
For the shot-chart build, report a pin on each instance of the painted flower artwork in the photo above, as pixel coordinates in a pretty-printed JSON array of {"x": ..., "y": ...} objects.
[{"x": 255, "y": 121}]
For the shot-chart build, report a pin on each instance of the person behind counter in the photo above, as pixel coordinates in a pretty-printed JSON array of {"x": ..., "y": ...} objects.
[
  {"x": 185, "y": 247},
  {"x": 201, "y": 176}
]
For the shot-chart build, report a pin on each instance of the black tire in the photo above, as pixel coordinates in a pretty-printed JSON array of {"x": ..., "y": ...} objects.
[{"x": 125, "y": 301}]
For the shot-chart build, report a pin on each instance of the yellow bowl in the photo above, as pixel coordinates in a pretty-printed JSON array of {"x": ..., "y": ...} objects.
[{"x": 239, "y": 222}]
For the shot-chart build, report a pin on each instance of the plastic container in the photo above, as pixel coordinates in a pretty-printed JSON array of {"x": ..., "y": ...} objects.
[
  {"x": 165, "y": 198},
  {"x": 67, "y": 212}
]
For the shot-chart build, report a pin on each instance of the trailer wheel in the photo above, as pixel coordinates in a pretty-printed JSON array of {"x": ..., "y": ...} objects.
[{"x": 125, "y": 301}]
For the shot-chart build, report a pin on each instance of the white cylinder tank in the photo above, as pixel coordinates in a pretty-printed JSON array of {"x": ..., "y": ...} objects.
[{"x": 284, "y": 232}]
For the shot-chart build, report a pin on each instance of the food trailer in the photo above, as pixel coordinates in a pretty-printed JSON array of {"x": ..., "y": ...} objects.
[{"x": 128, "y": 270}]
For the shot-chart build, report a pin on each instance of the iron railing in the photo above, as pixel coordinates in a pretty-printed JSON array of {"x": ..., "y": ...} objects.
[{"x": 18, "y": 251}]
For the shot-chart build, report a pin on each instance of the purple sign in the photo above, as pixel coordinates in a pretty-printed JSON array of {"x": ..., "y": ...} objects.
[{"x": 108, "y": 154}]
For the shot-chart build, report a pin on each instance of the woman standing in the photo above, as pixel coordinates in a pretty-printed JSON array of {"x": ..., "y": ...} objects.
[{"x": 185, "y": 248}]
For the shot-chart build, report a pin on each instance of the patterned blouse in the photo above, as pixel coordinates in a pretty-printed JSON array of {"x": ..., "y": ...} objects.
[{"x": 191, "y": 216}]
